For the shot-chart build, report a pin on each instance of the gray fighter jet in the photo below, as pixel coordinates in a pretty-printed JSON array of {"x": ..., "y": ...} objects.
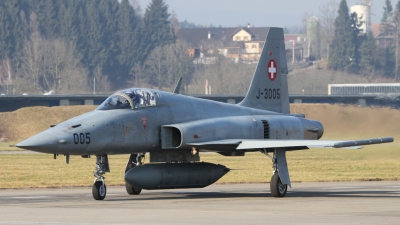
[{"x": 175, "y": 129}]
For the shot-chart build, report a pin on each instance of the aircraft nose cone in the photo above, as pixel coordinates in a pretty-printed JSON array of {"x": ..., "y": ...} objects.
[{"x": 43, "y": 142}]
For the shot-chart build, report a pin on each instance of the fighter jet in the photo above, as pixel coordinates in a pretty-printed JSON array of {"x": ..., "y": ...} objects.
[{"x": 175, "y": 130}]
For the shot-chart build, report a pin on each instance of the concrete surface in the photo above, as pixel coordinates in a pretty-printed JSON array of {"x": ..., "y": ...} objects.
[{"x": 305, "y": 203}]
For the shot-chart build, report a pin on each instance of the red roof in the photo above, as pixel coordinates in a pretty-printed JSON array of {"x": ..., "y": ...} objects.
[
  {"x": 290, "y": 37},
  {"x": 375, "y": 28}
]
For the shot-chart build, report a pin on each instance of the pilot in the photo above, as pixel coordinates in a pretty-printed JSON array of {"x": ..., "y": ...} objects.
[
  {"x": 118, "y": 102},
  {"x": 148, "y": 98},
  {"x": 135, "y": 99},
  {"x": 145, "y": 100}
]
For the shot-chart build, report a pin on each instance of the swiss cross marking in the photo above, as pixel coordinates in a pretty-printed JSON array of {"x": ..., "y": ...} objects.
[
  {"x": 144, "y": 121},
  {"x": 272, "y": 69}
]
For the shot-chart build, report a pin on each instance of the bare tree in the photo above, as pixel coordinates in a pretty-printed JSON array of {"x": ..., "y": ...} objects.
[
  {"x": 31, "y": 65},
  {"x": 165, "y": 65},
  {"x": 225, "y": 77},
  {"x": 179, "y": 63},
  {"x": 174, "y": 23},
  {"x": 396, "y": 35},
  {"x": 100, "y": 82},
  {"x": 327, "y": 19},
  {"x": 64, "y": 68},
  {"x": 6, "y": 75},
  {"x": 156, "y": 65},
  {"x": 139, "y": 77},
  {"x": 50, "y": 65}
]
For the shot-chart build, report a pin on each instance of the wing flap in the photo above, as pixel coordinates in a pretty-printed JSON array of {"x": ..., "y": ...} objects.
[
  {"x": 243, "y": 144},
  {"x": 220, "y": 145},
  {"x": 252, "y": 144}
]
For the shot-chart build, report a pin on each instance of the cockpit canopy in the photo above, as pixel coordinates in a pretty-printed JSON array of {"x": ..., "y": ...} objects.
[{"x": 132, "y": 98}]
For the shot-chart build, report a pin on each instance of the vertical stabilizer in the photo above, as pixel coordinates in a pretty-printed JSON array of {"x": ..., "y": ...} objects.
[{"x": 269, "y": 88}]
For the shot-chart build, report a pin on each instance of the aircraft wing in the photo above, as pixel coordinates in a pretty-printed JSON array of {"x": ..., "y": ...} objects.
[{"x": 294, "y": 144}]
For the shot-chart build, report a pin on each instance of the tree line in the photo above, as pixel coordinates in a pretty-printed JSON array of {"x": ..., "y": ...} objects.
[
  {"x": 357, "y": 52},
  {"x": 70, "y": 46},
  {"x": 66, "y": 45}
]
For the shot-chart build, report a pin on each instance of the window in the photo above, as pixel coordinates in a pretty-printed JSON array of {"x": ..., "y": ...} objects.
[
  {"x": 246, "y": 38},
  {"x": 237, "y": 38},
  {"x": 254, "y": 46},
  {"x": 129, "y": 99}
]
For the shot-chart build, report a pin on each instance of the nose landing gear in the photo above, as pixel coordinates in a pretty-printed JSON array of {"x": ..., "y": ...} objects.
[{"x": 99, "y": 189}]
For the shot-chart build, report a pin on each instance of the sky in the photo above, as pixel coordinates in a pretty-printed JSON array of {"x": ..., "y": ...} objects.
[{"x": 259, "y": 13}]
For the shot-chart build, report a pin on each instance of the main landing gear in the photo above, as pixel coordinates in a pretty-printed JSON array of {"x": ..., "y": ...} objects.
[
  {"x": 277, "y": 187},
  {"x": 99, "y": 189},
  {"x": 134, "y": 160}
]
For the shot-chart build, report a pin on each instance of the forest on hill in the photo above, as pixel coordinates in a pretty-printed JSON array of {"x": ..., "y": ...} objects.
[
  {"x": 86, "y": 46},
  {"x": 66, "y": 45}
]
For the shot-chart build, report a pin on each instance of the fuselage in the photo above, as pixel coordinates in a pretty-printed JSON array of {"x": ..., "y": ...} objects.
[{"x": 132, "y": 129}]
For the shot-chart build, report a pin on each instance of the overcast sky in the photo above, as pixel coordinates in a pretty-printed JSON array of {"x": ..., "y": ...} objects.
[{"x": 230, "y": 13}]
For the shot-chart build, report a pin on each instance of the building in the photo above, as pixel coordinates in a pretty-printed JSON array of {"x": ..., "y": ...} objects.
[
  {"x": 243, "y": 44},
  {"x": 364, "y": 89},
  {"x": 382, "y": 40},
  {"x": 363, "y": 10}
]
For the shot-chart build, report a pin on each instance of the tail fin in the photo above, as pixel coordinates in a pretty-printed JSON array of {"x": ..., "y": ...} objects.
[{"x": 269, "y": 88}]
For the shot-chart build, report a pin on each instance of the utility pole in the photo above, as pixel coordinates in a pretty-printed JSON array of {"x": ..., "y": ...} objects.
[{"x": 294, "y": 45}]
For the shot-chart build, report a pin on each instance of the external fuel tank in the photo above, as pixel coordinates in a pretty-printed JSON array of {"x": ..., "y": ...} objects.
[{"x": 174, "y": 175}]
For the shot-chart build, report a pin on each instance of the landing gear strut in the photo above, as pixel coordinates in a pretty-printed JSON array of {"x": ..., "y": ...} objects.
[
  {"x": 134, "y": 160},
  {"x": 99, "y": 189},
  {"x": 277, "y": 187}
]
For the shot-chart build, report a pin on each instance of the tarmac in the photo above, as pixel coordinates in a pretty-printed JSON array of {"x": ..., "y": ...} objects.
[{"x": 306, "y": 203}]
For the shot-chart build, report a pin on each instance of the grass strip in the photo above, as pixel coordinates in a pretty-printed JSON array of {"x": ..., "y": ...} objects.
[{"x": 379, "y": 162}]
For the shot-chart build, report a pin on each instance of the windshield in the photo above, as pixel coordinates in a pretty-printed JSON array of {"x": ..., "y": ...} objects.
[{"x": 129, "y": 99}]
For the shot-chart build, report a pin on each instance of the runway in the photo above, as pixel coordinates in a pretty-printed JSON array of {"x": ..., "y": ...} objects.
[{"x": 305, "y": 203}]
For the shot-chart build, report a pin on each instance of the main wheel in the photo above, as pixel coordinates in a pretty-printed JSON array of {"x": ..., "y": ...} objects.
[
  {"x": 132, "y": 190},
  {"x": 99, "y": 190},
  {"x": 278, "y": 189}
]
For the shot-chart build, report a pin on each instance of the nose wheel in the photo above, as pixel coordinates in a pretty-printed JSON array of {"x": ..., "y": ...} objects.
[{"x": 99, "y": 189}]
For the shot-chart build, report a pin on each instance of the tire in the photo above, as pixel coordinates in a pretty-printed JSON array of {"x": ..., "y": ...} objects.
[
  {"x": 132, "y": 190},
  {"x": 99, "y": 191},
  {"x": 278, "y": 190}
]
